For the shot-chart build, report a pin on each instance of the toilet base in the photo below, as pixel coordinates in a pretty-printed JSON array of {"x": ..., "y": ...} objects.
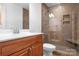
[
  {"x": 47, "y": 53},
  {"x": 48, "y": 49}
]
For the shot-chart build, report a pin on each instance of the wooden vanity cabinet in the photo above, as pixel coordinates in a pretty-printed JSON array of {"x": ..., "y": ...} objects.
[
  {"x": 36, "y": 49},
  {"x": 27, "y": 46},
  {"x": 0, "y": 49}
]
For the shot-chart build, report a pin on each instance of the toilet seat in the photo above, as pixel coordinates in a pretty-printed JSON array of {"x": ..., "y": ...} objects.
[{"x": 48, "y": 47}]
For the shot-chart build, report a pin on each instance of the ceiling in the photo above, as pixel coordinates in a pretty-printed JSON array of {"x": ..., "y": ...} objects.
[
  {"x": 52, "y": 4},
  {"x": 24, "y": 5}
]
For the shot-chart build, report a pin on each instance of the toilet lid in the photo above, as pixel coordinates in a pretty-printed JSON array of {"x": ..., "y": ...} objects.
[{"x": 47, "y": 45}]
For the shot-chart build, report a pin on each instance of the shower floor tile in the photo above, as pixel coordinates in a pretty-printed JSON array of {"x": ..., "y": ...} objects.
[{"x": 63, "y": 50}]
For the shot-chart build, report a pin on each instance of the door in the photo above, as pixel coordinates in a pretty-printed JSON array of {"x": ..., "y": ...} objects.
[{"x": 37, "y": 49}]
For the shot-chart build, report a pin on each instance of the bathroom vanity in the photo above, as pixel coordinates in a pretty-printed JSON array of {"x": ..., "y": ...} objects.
[{"x": 23, "y": 44}]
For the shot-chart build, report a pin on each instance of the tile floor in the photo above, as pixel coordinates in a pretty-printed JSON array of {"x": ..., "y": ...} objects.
[{"x": 63, "y": 50}]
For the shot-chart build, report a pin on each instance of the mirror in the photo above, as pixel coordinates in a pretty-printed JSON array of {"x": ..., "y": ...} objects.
[{"x": 14, "y": 16}]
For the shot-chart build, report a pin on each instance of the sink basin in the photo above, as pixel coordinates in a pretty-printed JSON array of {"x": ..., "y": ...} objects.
[{"x": 11, "y": 36}]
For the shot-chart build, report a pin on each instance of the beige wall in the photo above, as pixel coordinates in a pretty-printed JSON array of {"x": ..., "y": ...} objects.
[{"x": 25, "y": 19}]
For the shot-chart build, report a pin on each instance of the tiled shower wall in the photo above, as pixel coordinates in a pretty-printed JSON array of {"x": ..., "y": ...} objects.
[
  {"x": 59, "y": 11},
  {"x": 55, "y": 24},
  {"x": 45, "y": 21}
]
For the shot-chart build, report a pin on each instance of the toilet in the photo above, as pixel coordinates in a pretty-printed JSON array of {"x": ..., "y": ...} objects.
[{"x": 48, "y": 49}]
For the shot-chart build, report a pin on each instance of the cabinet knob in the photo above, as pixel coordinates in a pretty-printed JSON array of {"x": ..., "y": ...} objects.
[
  {"x": 30, "y": 48},
  {"x": 30, "y": 51}
]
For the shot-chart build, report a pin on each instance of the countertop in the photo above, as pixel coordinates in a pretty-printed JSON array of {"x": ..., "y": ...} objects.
[{"x": 12, "y": 36}]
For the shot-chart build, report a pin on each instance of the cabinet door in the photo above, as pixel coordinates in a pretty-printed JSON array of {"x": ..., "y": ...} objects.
[
  {"x": 37, "y": 49},
  {"x": 0, "y": 49},
  {"x": 23, "y": 52}
]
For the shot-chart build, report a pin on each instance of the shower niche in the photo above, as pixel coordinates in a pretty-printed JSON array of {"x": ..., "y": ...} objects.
[{"x": 66, "y": 19}]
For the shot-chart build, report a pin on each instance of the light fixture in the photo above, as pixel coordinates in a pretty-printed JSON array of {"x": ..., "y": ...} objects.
[{"x": 51, "y": 15}]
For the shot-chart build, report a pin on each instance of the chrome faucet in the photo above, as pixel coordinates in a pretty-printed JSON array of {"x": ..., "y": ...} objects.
[{"x": 16, "y": 30}]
